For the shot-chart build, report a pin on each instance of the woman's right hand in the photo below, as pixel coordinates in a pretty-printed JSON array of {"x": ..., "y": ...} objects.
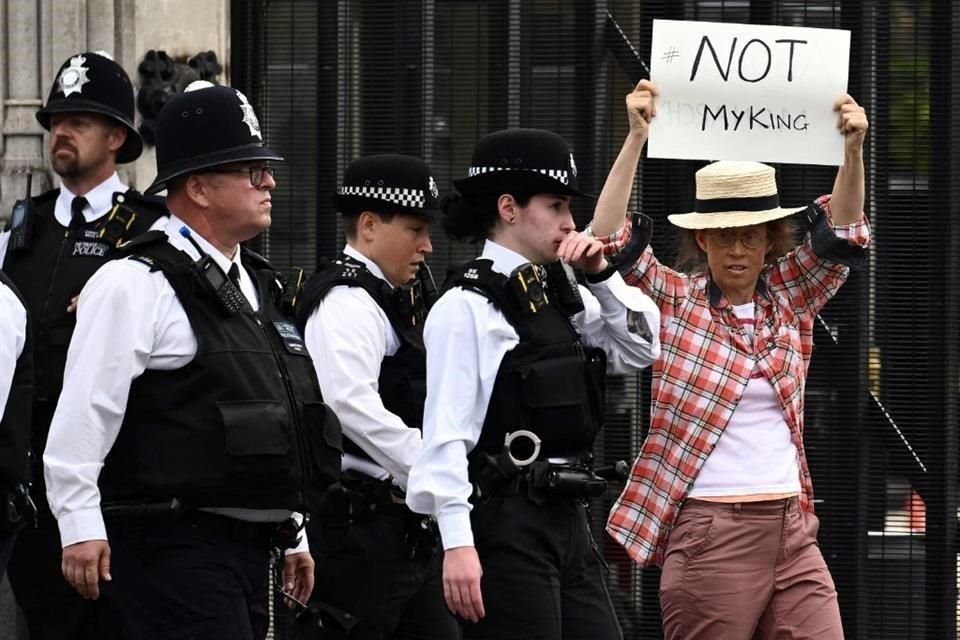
[
  {"x": 641, "y": 109},
  {"x": 461, "y": 583}
]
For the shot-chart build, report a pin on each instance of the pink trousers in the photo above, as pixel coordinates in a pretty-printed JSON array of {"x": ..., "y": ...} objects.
[{"x": 747, "y": 571}]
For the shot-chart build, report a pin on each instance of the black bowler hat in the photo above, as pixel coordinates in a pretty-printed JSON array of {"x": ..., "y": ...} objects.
[
  {"x": 206, "y": 126},
  {"x": 93, "y": 83},
  {"x": 388, "y": 183},
  {"x": 528, "y": 160}
]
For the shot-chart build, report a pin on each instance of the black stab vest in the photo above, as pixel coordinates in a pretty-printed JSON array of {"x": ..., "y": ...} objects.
[
  {"x": 243, "y": 424},
  {"x": 402, "y": 383},
  {"x": 15, "y": 425},
  {"x": 53, "y": 269},
  {"x": 549, "y": 383}
]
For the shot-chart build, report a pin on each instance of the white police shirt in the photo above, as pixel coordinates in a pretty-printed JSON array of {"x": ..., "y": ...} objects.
[
  {"x": 13, "y": 337},
  {"x": 128, "y": 320},
  {"x": 466, "y": 338},
  {"x": 348, "y": 335}
]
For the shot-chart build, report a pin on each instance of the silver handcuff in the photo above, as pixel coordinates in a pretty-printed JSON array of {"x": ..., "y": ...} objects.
[{"x": 522, "y": 433}]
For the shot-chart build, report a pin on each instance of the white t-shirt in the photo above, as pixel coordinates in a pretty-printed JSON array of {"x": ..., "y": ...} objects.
[{"x": 755, "y": 453}]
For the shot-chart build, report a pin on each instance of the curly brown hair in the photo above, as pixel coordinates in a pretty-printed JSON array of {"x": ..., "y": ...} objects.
[{"x": 781, "y": 233}]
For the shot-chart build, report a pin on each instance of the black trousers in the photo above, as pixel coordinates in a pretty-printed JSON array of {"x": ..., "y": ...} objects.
[
  {"x": 7, "y": 540},
  {"x": 543, "y": 575},
  {"x": 364, "y": 567},
  {"x": 190, "y": 580},
  {"x": 52, "y": 608}
]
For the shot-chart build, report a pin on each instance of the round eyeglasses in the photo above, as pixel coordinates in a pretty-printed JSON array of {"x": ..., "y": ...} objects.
[{"x": 751, "y": 239}]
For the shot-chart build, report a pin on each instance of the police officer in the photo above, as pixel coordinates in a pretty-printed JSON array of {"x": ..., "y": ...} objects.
[
  {"x": 363, "y": 315},
  {"x": 55, "y": 243},
  {"x": 16, "y": 388},
  {"x": 516, "y": 357},
  {"x": 194, "y": 393}
]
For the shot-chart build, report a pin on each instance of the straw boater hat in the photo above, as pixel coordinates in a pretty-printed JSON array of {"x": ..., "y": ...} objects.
[{"x": 734, "y": 194}]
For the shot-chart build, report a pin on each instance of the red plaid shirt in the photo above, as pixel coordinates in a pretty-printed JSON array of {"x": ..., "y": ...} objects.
[{"x": 703, "y": 369}]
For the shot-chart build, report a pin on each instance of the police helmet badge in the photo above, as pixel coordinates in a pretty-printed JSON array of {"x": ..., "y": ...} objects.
[
  {"x": 249, "y": 117},
  {"x": 573, "y": 165},
  {"x": 73, "y": 78},
  {"x": 432, "y": 185},
  {"x": 206, "y": 126}
]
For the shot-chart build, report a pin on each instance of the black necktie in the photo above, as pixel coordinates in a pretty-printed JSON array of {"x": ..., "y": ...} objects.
[
  {"x": 234, "y": 274},
  {"x": 76, "y": 212}
]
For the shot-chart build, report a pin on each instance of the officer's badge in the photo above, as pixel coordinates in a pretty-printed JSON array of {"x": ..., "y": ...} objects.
[
  {"x": 573, "y": 166},
  {"x": 434, "y": 191},
  {"x": 249, "y": 117},
  {"x": 73, "y": 78}
]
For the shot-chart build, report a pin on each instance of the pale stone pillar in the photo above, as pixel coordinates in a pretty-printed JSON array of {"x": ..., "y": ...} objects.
[{"x": 21, "y": 141}]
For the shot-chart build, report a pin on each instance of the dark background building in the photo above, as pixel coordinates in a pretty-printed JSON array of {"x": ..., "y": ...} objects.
[{"x": 335, "y": 79}]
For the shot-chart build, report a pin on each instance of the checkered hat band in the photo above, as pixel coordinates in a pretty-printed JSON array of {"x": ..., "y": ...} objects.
[
  {"x": 556, "y": 174},
  {"x": 413, "y": 198}
]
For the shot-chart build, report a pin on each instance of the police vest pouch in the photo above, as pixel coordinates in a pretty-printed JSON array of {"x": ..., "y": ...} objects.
[
  {"x": 558, "y": 406},
  {"x": 257, "y": 440},
  {"x": 596, "y": 374},
  {"x": 324, "y": 447}
]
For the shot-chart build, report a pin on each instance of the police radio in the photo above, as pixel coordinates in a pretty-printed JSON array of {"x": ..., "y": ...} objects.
[
  {"x": 562, "y": 285},
  {"x": 21, "y": 220},
  {"x": 216, "y": 281}
]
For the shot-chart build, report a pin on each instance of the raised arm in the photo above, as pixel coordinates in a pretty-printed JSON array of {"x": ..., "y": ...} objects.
[
  {"x": 615, "y": 196},
  {"x": 846, "y": 203}
]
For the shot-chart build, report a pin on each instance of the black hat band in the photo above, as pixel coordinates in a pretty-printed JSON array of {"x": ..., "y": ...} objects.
[
  {"x": 409, "y": 198},
  {"x": 722, "y": 205},
  {"x": 560, "y": 175}
]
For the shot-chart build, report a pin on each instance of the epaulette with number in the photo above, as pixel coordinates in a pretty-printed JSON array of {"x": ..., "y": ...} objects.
[
  {"x": 405, "y": 306},
  {"x": 478, "y": 276}
]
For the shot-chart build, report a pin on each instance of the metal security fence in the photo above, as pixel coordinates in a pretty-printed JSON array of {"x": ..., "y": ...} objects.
[{"x": 336, "y": 79}]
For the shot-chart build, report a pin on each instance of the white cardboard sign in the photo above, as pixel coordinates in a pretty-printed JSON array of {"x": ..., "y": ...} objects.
[{"x": 747, "y": 92}]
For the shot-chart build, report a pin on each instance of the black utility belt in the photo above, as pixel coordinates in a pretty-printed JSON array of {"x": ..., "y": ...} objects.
[
  {"x": 136, "y": 518},
  {"x": 365, "y": 496},
  {"x": 545, "y": 480}
]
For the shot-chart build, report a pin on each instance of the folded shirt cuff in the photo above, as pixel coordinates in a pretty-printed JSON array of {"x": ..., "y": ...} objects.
[
  {"x": 80, "y": 526},
  {"x": 455, "y": 529}
]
